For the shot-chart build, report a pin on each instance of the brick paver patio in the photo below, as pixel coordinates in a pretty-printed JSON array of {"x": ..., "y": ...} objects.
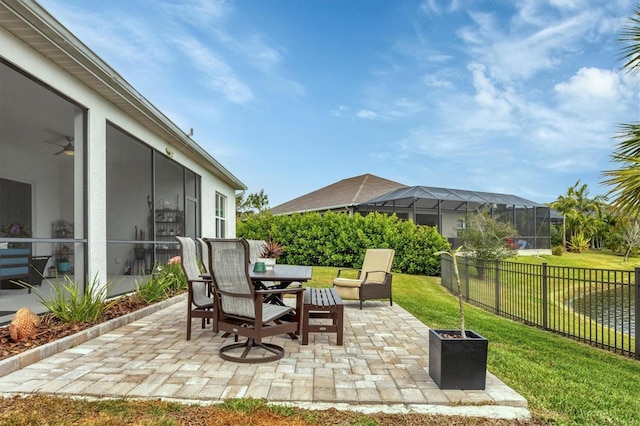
[{"x": 383, "y": 366}]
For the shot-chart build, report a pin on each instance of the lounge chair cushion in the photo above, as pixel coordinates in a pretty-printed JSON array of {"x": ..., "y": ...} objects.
[{"x": 348, "y": 289}]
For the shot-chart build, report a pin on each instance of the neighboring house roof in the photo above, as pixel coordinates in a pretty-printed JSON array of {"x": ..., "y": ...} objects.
[
  {"x": 346, "y": 193},
  {"x": 31, "y": 23},
  {"x": 427, "y": 197}
]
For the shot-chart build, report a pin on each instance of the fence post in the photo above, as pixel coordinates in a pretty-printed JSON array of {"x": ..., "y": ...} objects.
[
  {"x": 545, "y": 296},
  {"x": 497, "y": 270},
  {"x": 636, "y": 309}
]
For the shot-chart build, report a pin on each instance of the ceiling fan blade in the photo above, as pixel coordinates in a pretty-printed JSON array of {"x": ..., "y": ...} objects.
[
  {"x": 67, "y": 148},
  {"x": 53, "y": 143}
]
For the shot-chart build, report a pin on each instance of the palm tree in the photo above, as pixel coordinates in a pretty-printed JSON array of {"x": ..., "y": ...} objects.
[
  {"x": 581, "y": 213},
  {"x": 626, "y": 179}
]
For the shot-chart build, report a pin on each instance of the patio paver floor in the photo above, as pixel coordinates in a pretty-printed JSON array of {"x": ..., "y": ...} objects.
[{"x": 382, "y": 366}]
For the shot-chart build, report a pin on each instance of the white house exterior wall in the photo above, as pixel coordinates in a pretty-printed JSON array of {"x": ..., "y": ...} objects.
[{"x": 99, "y": 112}]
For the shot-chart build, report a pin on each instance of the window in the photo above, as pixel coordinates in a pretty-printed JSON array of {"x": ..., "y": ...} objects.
[{"x": 221, "y": 215}]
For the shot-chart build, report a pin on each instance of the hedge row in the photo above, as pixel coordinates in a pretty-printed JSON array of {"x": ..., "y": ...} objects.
[{"x": 340, "y": 240}]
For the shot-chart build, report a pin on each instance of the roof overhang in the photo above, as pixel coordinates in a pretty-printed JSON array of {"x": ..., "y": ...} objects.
[{"x": 31, "y": 23}]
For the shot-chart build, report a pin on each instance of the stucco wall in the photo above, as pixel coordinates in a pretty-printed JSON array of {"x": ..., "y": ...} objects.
[{"x": 99, "y": 112}]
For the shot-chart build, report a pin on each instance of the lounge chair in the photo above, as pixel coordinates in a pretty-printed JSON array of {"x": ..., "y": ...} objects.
[{"x": 373, "y": 280}]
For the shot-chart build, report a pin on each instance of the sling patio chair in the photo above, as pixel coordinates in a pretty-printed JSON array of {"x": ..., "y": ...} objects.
[
  {"x": 240, "y": 308},
  {"x": 204, "y": 254},
  {"x": 373, "y": 280},
  {"x": 200, "y": 297},
  {"x": 255, "y": 249}
]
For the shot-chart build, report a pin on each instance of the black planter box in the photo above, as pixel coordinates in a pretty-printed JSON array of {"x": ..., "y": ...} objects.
[{"x": 456, "y": 363}]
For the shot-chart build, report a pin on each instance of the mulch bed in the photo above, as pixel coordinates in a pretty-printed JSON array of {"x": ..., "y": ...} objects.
[{"x": 51, "y": 329}]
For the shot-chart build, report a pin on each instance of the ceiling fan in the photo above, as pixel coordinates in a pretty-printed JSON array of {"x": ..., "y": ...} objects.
[{"x": 67, "y": 149}]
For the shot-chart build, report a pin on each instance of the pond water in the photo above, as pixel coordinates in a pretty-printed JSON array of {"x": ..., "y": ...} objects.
[{"x": 612, "y": 308}]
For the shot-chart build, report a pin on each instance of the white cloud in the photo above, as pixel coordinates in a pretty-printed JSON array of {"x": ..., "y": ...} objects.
[
  {"x": 197, "y": 11},
  {"x": 339, "y": 111},
  {"x": 487, "y": 96},
  {"x": 591, "y": 85},
  {"x": 437, "y": 82},
  {"x": 366, "y": 114},
  {"x": 219, "y": 76},
  {"x": 522, "y": 54}
]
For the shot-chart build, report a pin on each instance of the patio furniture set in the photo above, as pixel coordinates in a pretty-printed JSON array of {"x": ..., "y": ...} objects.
[{"x": 255, "y": 305}]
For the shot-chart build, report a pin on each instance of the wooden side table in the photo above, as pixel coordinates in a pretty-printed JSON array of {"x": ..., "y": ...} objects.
[{"x": 322, "y": 303}]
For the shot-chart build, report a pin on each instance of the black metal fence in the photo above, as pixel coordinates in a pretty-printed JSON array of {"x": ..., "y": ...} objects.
[{"x": 596, "y": 306}]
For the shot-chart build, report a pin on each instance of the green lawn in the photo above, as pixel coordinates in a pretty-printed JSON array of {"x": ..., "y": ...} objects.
[
  {"x": 591, "y": 259},
  {"x": 565, "y": 382}
]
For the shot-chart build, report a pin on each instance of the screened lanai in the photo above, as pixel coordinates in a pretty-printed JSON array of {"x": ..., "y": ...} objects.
[{"x": 447, "y": 208}]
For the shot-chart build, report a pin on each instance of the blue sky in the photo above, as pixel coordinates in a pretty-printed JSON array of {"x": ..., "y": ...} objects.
[{"x": 520, "y": 97}]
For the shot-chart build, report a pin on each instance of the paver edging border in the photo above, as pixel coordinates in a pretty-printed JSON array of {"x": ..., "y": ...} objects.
[{"x": 24, "y": 359}]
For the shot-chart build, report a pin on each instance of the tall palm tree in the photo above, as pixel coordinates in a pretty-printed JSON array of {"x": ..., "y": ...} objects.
[
  {"x": 626, "y": 179},
  {"x": 581, "y": 214}
]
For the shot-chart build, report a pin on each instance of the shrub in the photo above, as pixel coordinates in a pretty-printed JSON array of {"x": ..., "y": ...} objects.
[
  {"x": 557, "y": 250},
  {"x": 579, "y": 243},
  {"x": 339, "y": 240}
]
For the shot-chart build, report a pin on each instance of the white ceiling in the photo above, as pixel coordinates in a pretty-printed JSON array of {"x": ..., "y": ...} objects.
[{"x": 31, "y": 114}]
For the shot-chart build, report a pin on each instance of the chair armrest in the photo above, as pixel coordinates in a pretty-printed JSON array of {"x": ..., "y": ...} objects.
[
  {"x": 349, "y": 269},
  {"x": 228, "y": 293}
]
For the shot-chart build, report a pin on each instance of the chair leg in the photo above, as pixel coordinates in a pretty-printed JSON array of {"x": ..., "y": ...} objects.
[{"x": 189, "y": 324}]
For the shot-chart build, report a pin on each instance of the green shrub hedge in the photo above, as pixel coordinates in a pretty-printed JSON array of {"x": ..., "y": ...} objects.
[{"x": 340, "y": 240}]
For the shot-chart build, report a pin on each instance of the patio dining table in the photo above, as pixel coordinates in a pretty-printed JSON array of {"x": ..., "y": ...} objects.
[{"x": 282, "y": 276}]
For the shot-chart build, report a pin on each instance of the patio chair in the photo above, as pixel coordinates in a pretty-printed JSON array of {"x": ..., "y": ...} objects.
[
  {"x": 200, "y": 297},
  {"x": 373, "y": 280},
  {"x": 240, "y": 308},
  {"x": 255, "y": 249},
  {"x": 255, "y": 253},
  {"x": 204, "y": 254}
]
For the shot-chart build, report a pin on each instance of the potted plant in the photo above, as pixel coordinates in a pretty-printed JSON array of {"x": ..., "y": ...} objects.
[
  {"x": 271, "y": 250},
  {"x": 457, "y": 358},
  {"x": 63, "y": 258}
]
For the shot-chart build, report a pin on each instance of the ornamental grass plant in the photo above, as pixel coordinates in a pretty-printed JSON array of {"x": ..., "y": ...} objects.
[
  {"x": 68, "y": 303},
  {"x": 166, "y": 281}
]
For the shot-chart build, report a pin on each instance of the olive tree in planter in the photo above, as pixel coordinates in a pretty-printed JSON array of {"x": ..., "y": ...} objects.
[{"x": 458, "y": 358}]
